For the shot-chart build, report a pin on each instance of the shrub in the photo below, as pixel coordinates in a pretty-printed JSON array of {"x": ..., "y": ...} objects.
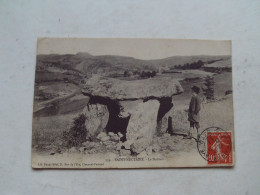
[
  {"x": 228, "y": 92},
  {"x": 126, "y": 73},
  {"x": 77, "y": 133},
  {"x": 147, "y": 74},
  {"x": 208, "y": 91},
  {"x": 153, "y": 74}
]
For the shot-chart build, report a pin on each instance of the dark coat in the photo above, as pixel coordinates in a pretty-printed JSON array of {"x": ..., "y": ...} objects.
[{"x": 194, "y": 109}]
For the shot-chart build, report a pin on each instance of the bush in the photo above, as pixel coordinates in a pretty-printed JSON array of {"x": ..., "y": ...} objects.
[
  {"x": 153, "y": 74},
  {"x": 209, "y": 90},
  {"x": 228, "y": 92},
  {"x": 147, "y": 74},
  {"x": 77, "y": 133},
  {"x": 126, "y": 74},
  {"x": 193, "y": 65}
]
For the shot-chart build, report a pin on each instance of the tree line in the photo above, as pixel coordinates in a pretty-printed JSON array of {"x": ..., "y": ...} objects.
[
  {"x": 142, "y": 74},
  {"x": 193, "y": 65}
]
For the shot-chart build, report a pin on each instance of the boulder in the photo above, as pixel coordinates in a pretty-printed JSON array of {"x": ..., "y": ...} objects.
[
  {"x": 120, "y": 135},
  {"x": 97, "y": 117},
  {"x": 82, "y": 149},
  {"x": 88, "y": 145},
  {"x": 103, "y": 137},
  {"x": 119, "y": 146},
  {"x": 140, "y": 145},
  {"x": 155, "y": 148},
  {"x": 127, "y": 144},
  {"x": 110, "y": 145},
  {"x": 113, "y": 136}
]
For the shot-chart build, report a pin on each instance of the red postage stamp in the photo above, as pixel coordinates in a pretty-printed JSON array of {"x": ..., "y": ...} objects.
[{"x": 219, "y": 147}]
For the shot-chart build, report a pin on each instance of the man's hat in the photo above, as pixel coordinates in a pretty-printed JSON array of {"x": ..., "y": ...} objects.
[{"x": 195, "y": 89}]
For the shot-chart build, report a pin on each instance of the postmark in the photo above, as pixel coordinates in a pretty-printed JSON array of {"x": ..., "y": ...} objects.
[{"x": 215, "y": 146}]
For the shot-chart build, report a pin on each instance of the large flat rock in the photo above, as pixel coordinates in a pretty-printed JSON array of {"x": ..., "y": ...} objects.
[{"x": 116, "y": 89}]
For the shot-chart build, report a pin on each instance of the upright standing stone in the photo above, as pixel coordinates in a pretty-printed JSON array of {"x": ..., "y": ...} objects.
[
  {"x": 142, "y": 124},
  {"x": 97, "y": 117}
]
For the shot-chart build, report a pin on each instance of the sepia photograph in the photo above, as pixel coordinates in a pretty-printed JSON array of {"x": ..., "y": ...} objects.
[
  {"x": 129, "y": 97},
  {"x": 132, "y": 103}
]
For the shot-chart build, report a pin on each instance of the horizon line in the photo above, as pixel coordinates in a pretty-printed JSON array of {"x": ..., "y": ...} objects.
[{"x": 134, "y": 57}]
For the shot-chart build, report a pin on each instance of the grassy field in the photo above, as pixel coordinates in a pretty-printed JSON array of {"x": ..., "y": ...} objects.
[
  {"x": 47, "y": 131},
  {"x": 216, "y": 113}
]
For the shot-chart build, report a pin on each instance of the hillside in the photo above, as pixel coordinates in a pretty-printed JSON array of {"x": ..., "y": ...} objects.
[
  {"x": 220, "y": 64},
  {"x": 181, "y": 60},
  {"x": 86, "y": 63}
]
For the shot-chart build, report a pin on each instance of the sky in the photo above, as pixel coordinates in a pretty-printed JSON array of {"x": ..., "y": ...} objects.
[{"x": 145, "y": 49}]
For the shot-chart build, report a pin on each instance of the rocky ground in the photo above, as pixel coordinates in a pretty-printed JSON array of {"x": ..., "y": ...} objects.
[{"x": 163, "y": 146}]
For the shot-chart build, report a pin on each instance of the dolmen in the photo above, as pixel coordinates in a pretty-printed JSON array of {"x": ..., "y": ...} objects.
[{"x": 134, "y": 108}]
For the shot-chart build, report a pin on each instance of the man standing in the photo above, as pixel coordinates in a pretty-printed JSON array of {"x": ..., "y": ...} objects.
[{"x": 193, "y": 113}]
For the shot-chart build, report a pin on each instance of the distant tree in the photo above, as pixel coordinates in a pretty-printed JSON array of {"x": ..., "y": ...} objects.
[
  {"x": 147, "y": 74},
  {"x": 200, "y": 63},
  {"x": 228, "y": 92},
  {"x": 126, "y": 73},
  {"x": 197, "y": 65},
  {"x": 153, "y": 73},
  {"x": 208, "y": 91},
  {"x": 142, "y": 75},
  {"x": 185, "y": 66}
]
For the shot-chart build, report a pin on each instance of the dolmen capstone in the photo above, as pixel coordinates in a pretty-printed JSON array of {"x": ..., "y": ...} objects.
[{"x": 134, "y": 108}]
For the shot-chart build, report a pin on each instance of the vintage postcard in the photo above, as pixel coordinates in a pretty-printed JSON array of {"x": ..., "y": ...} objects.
[{"x": 132, "y": 103}]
